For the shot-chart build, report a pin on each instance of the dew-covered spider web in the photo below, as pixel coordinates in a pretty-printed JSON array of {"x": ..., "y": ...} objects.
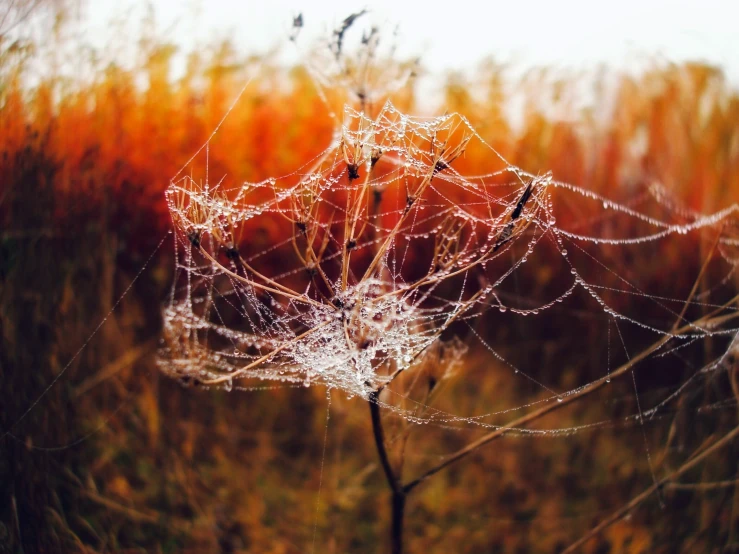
[{"x": 409, "y": 242}]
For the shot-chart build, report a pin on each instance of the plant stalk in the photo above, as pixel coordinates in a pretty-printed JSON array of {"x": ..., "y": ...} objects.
[{"x": 398, "y": 492}]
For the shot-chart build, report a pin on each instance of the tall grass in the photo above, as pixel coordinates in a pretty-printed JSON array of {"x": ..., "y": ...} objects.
[{"x": 83, "y": 170}]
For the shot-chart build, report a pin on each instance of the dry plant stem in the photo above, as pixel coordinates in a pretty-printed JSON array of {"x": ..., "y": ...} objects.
[
  {"x": 137, "y": 515},
  {"x": 659, "y": 484},
  {"x": 431, "y": 279},
  {"x": 398, "y": 492},
  {"x": 311, "y": 260},
  {"x": 128, "y": 359},
  {"x": 698, "y": 279},
  {"x": 533, "y": 416},
  {"x": 286, "y": 292},
  {"x": 393, "y": 233},
  {"x": 266, "y": 357},
  {"x": 350, "y": 228},
  {"x": 734, "y": 381},
  {"x": 716, "y": 485},
  {"x": 681, "y": 317},
  {"x": 446, "y": 325}
]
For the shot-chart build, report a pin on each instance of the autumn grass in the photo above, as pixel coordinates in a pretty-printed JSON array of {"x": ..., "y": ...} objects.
[{"x": 162, "y": 468}]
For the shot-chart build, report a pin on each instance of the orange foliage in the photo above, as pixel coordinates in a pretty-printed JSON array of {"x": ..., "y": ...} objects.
[
  {"x": 116, "y": 144},
  {"x": 120, "y": 143}
]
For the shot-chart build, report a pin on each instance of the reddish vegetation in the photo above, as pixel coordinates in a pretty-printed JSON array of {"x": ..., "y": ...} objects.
[
  {"x": 82, "y": 176},
  {"x": 674, "y": 125}
]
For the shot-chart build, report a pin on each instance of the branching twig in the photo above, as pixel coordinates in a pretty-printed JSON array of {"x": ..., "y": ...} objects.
[
  {"x": 565, "y": 400},
  {"x": 715, "y": 485},
  {"x": 129, "y": 358},
  {"x": 655, "y": 487}
]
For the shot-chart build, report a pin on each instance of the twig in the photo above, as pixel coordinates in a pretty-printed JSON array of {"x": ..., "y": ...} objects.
[
  {"x": 715, "y": 485},
  {"x": 129, "y": 358},
  {"x": 564, "y": 401},
  {"x": 130, "y": 513},
  {"x": 269, "y": 355},
  {"x": 697, "y": 282},
  {"x": 656, "y": 486},
  {"x": 280, "y": 290}
]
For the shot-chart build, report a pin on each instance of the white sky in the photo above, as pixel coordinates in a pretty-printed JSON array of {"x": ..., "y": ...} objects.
[{"x": 452, "y": 35}]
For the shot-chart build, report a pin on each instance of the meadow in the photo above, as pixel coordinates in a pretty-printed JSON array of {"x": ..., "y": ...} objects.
[{"x": 101, "y": 452}]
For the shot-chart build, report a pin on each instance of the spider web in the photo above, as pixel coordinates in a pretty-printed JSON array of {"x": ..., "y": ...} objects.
[{"x": 384, "y": 257}]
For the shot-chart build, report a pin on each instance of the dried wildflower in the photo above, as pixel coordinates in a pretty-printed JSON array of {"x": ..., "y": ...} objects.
[{"x": 347, "y": 305}]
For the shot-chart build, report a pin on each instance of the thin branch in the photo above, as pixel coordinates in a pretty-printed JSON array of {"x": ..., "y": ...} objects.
[
  {"x": 564, "y": 401},
  {"x": 282, "y": 290},
  {"x": 698, "y": 279},
  {"x": 130, "y": 513},
  {"x": 647, "y": 493},
  {"x": 715, "y": 485},
  {"x": 269, "y": 355},
  {"x": 128, "y": 359}
]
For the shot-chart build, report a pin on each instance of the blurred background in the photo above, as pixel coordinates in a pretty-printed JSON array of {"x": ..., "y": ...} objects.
[{"x": 102, "y": 103}]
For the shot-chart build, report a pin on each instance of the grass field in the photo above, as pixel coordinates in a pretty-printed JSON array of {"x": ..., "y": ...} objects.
[{"x": 102, "y": 453}]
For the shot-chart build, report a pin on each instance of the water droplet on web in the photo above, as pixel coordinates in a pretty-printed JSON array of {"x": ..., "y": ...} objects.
[{"x": 399, "y": 325}]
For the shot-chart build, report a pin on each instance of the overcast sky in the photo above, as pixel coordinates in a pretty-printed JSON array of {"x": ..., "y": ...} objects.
[{"x": 571, "y": 33}]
